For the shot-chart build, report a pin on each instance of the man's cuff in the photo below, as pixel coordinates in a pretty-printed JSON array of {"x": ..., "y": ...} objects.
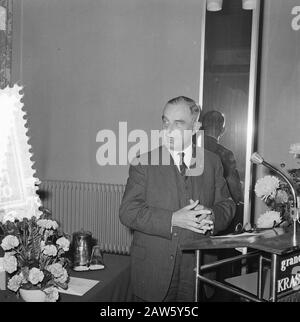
[{"x": 172, "y": 223}]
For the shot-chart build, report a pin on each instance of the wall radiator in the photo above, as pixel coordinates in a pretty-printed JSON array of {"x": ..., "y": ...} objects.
[{"x": 91, "y": 206}]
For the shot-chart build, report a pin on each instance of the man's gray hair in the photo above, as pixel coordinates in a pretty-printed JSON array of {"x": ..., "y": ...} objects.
[{"x": 194, "y": 107}]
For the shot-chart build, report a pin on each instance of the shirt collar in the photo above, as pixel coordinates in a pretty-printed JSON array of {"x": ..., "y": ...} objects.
[{"x": 188, "y": 152}]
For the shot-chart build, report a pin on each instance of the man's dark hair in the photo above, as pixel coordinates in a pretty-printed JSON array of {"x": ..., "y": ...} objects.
[
  {"x": 194, "y": 107},
  {"x": 213, "y": 120}
]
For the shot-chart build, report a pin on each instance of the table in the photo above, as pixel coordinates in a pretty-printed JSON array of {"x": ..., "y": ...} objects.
[
  {"x": 248, "y": 282},
  {"x": 113, "y": 286},
  {"x": 273, "y": 247}
]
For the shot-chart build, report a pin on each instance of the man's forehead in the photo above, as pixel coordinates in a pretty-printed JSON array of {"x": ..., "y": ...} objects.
[{"x": 180, "y": 110}]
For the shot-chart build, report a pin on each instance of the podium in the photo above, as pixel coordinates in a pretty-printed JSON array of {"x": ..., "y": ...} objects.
[{"x": 272, "y": 247}]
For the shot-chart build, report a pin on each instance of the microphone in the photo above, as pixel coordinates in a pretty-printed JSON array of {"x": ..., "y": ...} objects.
[{"x": 256, "y": 158}]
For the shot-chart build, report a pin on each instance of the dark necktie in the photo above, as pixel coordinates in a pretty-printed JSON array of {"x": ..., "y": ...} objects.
[{"x": 182, "y": 165}]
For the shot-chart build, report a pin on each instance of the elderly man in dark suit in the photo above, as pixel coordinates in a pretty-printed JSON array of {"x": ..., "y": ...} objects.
[{"x": 165, "y": 207}]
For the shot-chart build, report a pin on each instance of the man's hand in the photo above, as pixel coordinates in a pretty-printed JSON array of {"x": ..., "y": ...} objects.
[
  {"x": 193, "y": 217},
  {"x": 205, "y": 219}
]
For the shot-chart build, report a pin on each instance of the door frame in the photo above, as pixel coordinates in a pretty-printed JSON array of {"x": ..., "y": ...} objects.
[{"x": 251, "y": 126}]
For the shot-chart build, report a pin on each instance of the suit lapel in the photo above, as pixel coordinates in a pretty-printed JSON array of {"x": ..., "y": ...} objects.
[
  {"x": 198, "y": 184},
  {"x": 168, "y": 173},
  {"x": 167, "y": 166}
]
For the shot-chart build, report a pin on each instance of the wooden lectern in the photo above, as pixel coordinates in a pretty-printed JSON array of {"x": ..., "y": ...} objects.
[{"x": 273, "y": 247}]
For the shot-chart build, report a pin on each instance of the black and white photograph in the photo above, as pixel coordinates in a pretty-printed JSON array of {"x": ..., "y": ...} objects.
[{"x": 149, "y": 154}]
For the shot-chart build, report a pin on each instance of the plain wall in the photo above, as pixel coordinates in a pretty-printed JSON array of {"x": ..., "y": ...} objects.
[
  {"x": 279, "y": 108},
  {"x": 86, "y": 65}
]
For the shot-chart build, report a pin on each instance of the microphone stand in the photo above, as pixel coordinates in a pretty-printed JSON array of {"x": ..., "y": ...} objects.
[{"x": 257, "y": 159}]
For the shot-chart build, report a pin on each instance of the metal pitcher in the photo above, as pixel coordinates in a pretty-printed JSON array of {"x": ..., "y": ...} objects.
[{"x": 81, "y": 248}]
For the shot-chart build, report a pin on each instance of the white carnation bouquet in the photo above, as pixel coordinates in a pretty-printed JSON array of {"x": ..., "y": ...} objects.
[
  {"x": 277, "y": 195},
  {"x": 34, "y": 255}
]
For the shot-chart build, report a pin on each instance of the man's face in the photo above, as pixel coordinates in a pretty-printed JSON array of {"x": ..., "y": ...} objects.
[{"x": 178, "y": 126}]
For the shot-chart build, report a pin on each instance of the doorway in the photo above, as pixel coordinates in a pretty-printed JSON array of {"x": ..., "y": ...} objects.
[{"x": 229, "y": 78}]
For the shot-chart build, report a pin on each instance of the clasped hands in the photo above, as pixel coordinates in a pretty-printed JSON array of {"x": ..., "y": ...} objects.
[{"x": 194, "y": 217}]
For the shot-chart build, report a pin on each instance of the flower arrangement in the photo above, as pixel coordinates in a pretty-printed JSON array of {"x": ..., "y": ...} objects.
[
  {"x": 34, "y": 255},
  {"x": 295, "y": 173},
  {"x": 277, "y": 195}
]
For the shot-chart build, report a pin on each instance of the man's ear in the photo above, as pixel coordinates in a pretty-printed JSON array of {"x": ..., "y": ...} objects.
[
  {"x": 196, "y": 127},
  {"x": 222, "y": 131}
]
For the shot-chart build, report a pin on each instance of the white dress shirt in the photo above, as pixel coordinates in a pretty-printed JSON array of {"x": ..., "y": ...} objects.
[{"x": 188, "y": 153}]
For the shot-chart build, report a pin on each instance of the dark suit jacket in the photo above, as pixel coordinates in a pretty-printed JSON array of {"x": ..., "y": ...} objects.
[
  {"x": 231, "y": 174},
  {"x": 151, "y": 196}
]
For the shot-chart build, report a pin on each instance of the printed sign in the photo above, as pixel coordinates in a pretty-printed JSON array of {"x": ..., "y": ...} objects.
[{"x": 288, "y": 273}]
